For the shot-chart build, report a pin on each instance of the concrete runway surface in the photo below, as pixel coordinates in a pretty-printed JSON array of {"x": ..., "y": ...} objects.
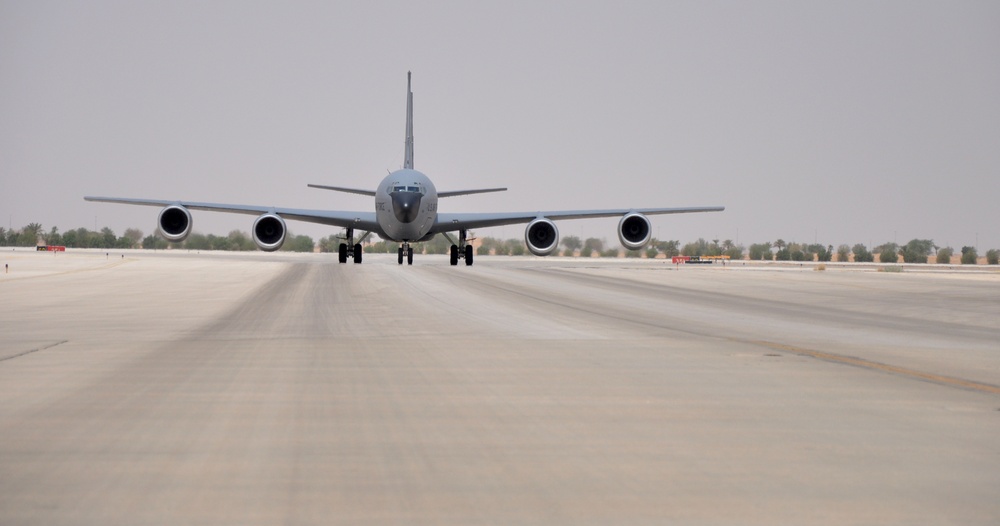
[{"x": 177, "y": 388}]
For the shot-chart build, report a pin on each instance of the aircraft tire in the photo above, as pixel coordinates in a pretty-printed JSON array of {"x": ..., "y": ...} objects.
[
  {"x": 400, "y": 255},
  {"x": 342, "y": 253},
  {"x": 468, "y": 255},
  {"x": 409, "y": 256},
  {"x": 357, "y": 253},
  {"x": 454, "y": 255}
]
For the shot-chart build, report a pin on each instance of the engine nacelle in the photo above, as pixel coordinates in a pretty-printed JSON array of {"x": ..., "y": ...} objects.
[
  {"x": 541, "y": 236},
  {"x": 269, "y": 232},
  {"x": 174, "y": 223},
  {"x": 634, "y": 231}
]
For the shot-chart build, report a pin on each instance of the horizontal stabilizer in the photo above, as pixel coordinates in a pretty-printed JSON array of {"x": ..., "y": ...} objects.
[
  {"x": 342, "y": 189},
  {"x": 468, "y": 192}
]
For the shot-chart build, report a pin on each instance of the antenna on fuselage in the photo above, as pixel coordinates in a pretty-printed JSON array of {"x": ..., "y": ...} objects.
[{"x": 408, "y": 153}]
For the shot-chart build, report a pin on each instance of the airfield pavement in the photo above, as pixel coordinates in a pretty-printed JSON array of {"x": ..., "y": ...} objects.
[{"x": 182, "y": 388}]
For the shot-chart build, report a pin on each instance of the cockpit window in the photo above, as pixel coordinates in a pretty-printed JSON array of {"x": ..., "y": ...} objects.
[{"x": 408, "y": 189}]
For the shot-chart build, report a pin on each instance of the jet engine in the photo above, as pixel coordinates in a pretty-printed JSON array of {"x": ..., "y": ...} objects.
[
  {"x": 175, "y": 223},
  {"x": 541, "y": 236},
  {"x": 634, "y": 231},
  {"x": 269, "y": 232}
]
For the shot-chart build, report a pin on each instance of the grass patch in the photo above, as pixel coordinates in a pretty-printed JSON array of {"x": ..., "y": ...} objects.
[{"x": 891, "y": 268}]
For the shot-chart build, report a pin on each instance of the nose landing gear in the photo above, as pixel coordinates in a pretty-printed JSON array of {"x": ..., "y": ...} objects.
[{"x": 407, "y": 250}]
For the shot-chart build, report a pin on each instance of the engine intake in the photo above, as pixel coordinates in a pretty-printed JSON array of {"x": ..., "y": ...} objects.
[
  {"x": 175, "y": 223},
  {"x": 634, "y": 231},
  {"x": 269, "y": 232},
  {"x": 541, "y": 236}
]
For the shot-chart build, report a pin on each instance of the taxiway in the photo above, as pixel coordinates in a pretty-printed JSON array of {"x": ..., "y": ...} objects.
[{"x": 164, "y": 388}]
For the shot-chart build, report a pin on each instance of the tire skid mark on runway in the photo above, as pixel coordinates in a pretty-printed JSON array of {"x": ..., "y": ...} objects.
[
  {"x": 824, "y": 315},
  {"x": 581, "y": 305},
  {"x": 877, "y": 366},
  {"x": 40, "y": 348},
  {"x": 448, "y": 304},
  {"x": 106, "y": 266},
  {"x": 589, "y": 307},
  {"x": 263, "y": 310},
  {"x": 821, "y": 355}
]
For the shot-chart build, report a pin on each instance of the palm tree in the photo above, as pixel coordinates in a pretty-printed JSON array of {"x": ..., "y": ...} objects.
[{"x": 30, "y": 234}]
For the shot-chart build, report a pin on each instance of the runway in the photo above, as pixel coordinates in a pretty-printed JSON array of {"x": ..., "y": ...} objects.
[{"x": 166, "y": 388}]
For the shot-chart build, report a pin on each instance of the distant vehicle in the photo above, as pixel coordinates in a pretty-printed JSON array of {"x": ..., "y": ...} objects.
[
  {"x": 50, "y": 248},
  {"x": 406, "y": 211},
  {"x": 699, "y": 259}
]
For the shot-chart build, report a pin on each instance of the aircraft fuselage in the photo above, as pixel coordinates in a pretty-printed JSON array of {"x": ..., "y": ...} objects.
[{"x": 406, "y": 204}]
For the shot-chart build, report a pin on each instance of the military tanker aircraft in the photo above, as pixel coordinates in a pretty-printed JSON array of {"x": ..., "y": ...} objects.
[{"x": 406, "y": 211}]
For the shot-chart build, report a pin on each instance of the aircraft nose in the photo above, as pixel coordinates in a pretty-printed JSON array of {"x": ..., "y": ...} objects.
[{"x": 405, "y": 206}]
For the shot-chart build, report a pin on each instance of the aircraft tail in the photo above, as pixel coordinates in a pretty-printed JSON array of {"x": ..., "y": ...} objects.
[{"x": 408, "y": 154}]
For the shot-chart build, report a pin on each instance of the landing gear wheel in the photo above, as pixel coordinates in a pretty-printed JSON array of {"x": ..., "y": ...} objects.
[
  {"x": 342, "y": 255},
  {"x": 400, "y": 255},
  {"x": 357, "y": 253},
  {"x": 409, "y": 256},
  {"x": 468, "y": 255},
  {"x": 454, "y": 255}
]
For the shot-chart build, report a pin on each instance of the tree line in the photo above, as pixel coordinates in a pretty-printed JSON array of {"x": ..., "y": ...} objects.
[
  {"x": 915, "y": 251},
  {"x": 33, "y": 234}
]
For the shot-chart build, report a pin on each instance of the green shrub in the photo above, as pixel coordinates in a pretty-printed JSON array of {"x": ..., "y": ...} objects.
[
  {"x": 888, "y": 256},
  {"x": 969, "y": 255},
  {"x": 917, "y": 250},
  {"x": 761, "y": 252},
  {"x": 862, "y": 254}
]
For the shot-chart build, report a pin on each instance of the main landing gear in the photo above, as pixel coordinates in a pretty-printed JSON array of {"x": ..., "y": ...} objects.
[
  {"x": 407, "y": 250},
  {"x": 350, "y": 248},
  {"x": 462, "y": 250}
]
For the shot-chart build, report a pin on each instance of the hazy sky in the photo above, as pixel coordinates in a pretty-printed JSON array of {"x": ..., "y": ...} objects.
[{"x": 840, "y": 122}]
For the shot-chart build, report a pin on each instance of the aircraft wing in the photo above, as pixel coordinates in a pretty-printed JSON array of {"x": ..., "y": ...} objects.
[
  {"x": 459, "y": 221},
  {"x": 453, "y": 193},
  {"x": 357, "y": 220},
  {"x": 369, "y": 193}
]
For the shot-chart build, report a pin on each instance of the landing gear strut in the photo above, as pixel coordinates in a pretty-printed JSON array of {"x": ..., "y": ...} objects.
[
  {"x": 407, "y": 250},
  {"x": 462, "y": 250},
  {"x": 351, "y": 248}
]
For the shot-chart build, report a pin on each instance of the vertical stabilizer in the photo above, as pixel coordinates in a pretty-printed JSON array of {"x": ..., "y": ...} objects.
[{"x": 408, "y": 154}]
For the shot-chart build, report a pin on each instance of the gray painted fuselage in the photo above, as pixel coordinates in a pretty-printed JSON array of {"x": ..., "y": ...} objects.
[{"x": 406, "y": 204}]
